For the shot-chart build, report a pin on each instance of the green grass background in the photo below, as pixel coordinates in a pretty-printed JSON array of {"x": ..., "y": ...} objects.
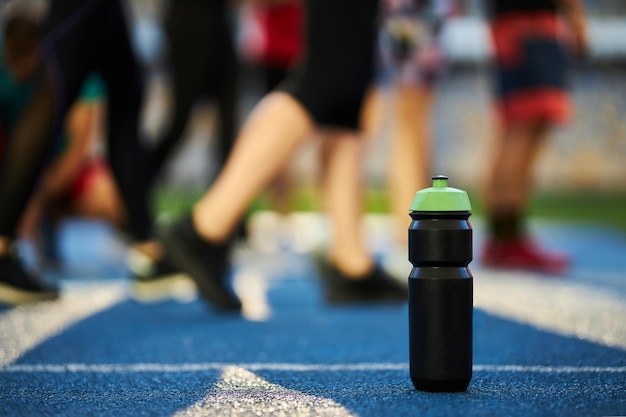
[{"x": 601, "y": 208}]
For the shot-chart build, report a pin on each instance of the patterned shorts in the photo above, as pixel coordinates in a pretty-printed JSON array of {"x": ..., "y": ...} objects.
[
  {"x": 409, "y": 50},
  {"x": 531, "y": 68}
]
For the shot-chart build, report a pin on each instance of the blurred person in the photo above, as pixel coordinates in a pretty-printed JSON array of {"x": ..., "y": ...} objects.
[
  {"x": 78, "y": 181},
  {"x": 326, "y": 90},
  {"x": 532, "y": 40},
  {"x": 202, "y": 64},
  {"x": 274, "y": 44},
  {"x": 413, "y": 62},
  {"x": 80, "y": 38}
]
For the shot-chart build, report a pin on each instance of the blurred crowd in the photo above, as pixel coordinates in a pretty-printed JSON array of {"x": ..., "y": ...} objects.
[{"x": 77, "y": 90}]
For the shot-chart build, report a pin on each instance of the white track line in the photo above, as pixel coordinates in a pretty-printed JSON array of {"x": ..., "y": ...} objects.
[
  {"x": 553, "y": 304},
  {"x": 23, "y": 328},
  {"x": 241, "y": 392},
  {"x": 284, "y": 367}
]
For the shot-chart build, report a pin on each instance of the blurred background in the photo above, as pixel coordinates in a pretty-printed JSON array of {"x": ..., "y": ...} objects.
[{"x": 582, "y": 173}]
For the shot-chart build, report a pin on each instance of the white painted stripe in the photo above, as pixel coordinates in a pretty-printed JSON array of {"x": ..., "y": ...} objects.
[
  {"x": 553, "y": 304},
  {"x": 24, "y": 327},
  {"x": 241, "y": 392},
  {"x": 551, "y": 369},
  {"x": 283, "y": 367}
]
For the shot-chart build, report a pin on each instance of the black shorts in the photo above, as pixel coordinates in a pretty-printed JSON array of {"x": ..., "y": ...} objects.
[{"x": 338, "y": 64}]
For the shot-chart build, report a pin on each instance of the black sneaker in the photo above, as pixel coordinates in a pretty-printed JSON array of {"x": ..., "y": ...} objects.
[
  {"x": 206, "y": 263},
  {"x": 375, "y": 286},
  {"x": 19, "y": 286},
  {"x": 157, "y": 281}
]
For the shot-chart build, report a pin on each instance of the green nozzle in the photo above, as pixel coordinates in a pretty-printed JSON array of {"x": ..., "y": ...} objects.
[{"x": 440, "y": 197}]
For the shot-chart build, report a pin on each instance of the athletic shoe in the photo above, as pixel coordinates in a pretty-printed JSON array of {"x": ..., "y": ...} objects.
[
  {"x": 523, "y": 254},
  {"x": 375, "y": 286},
  {"x": 156, "y": 281},
  {"x": 19, "y": 286},
  {"x": 206, "y": 263}
]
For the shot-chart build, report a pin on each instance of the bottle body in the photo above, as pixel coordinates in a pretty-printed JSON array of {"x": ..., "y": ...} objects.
[{"x": 440, "y": 301}]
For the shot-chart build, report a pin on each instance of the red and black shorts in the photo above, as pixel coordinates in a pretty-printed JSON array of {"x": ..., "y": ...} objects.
[{"x": 531, "y": 68}]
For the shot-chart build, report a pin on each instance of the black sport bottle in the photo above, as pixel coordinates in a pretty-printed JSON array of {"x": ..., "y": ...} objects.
[{"x": 440, "y": 289}]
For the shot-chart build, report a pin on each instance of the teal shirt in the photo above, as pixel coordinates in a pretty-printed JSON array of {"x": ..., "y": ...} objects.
[
  {"x": 93, "y": 89},
  {"x": 14, "y": 96}
]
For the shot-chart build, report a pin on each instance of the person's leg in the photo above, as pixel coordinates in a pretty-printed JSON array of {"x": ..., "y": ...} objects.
[
  {"x": 410, "y": 150},
  {"x": 124, "y": 81},
  {"x": 278, "y": 191},
  {"x": 200, "y": 243},
  {"x": 203, "y": 63},
  {"x": 149, "y": 264},
  {"x": 268, "y": 139},
  {"x": 225, "y": 85},
  {"x": 509, "y": 183},
  {"x": 185, "y": 92},
  {"x": 530, "y": 75},
  {"x": 507, "y": 195},
  {"x": 342, "y": 156},
  {"x": 25, "y": 156},
  {"x": 375, "y": 115},
  {"x": 26, "y": 152},
  {"x": 350, "y": 271}
]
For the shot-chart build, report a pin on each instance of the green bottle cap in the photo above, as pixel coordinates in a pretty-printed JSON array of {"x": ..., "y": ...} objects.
[{"x": 440, "y": 197}]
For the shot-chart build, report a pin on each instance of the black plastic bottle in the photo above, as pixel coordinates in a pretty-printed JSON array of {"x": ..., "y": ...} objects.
[{"x": 440, "y": 289}]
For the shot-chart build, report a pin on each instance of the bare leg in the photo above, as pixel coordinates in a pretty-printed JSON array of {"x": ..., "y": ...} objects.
[
  {"x": 342, "y": 153},
  {"x": 410, "y": 151},
  {"x": 508, "y": 192},
  {"x": 510, "y": 180},
  {"x": 200, "y": 244},
  {"x": 373, "y": 114},
  {"x": 350, "y": 273},
  {"x": 270, "y": 136}
]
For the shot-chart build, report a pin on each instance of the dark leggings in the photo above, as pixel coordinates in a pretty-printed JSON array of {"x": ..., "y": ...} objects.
[
  {"x": 82, "y": 36},
  {"x": 203, "y": 64}
]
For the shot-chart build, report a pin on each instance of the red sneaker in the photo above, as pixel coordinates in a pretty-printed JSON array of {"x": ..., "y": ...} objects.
[{"x": 523, "y": 254}]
